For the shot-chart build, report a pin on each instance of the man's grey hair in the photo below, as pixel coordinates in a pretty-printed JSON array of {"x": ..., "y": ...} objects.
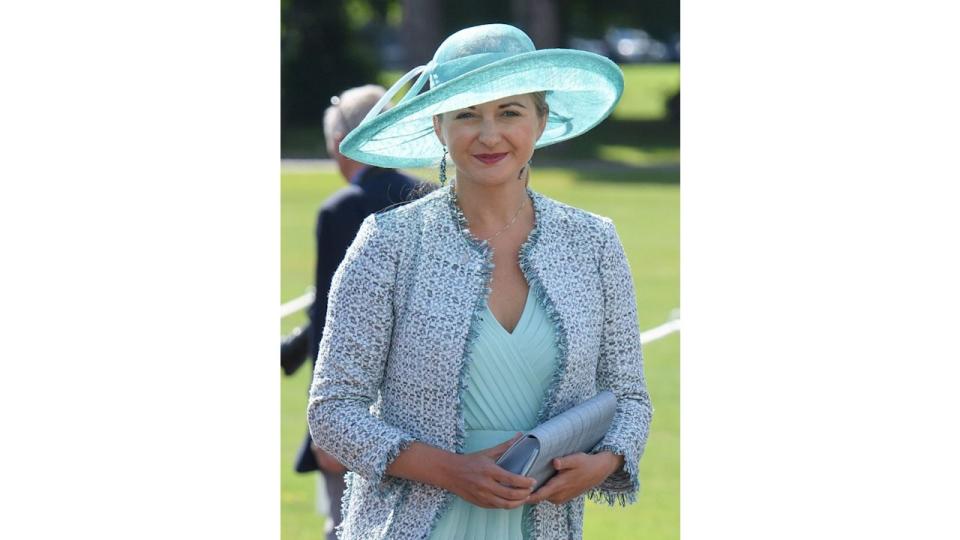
[{"x": 348, "y": 110}]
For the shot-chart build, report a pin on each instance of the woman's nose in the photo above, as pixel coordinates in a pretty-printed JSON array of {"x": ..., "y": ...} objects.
[{"x": 489, "y": 133}]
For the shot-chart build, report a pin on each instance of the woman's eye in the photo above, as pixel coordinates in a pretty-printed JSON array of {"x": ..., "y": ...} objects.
[
  {"x": 511, "y": 113},
  {"x": 464, "y": 115}
]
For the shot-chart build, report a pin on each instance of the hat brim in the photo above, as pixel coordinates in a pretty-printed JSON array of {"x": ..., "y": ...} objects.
[{"x": 583, "y": 88}]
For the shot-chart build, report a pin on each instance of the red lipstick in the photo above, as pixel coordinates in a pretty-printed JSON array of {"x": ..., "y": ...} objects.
[{"x": 490, "y": 159}]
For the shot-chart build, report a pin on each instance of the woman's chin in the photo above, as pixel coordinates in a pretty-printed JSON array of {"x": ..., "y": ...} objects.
[{"x": 491, "y": 176}]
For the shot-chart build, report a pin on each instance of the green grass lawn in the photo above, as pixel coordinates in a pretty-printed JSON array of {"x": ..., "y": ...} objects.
[
  {"x": 645, "y": 206},
  {"x": 646, "y": 89}
]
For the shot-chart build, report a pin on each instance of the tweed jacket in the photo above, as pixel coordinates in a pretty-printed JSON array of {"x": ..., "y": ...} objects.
[{"x": 391, "y": 365}]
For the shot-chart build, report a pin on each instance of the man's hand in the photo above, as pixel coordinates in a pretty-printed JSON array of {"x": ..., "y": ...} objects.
[
  {"x": 576, "y": 474},
  {"x": 326, "y": 461}
]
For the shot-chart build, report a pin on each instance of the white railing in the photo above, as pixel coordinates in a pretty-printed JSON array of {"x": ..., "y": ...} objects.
[
  {"x": 672, "y": 325},
  {"x": 298, "y": 303}
]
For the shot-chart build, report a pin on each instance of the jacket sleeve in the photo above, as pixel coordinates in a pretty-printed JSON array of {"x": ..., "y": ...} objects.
[
  {"x": 620, "y": 370},
  {"x": 351, "y": 359}
]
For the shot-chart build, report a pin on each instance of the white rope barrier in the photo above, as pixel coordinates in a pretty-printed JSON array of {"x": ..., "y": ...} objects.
[{"x": 651, "y": 335}]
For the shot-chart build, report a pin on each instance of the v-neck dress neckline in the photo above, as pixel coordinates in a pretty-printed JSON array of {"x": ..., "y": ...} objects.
[{"x": 527, "y": 307}]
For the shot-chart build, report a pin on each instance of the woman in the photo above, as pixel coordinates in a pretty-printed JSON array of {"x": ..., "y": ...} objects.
[{"x": 480, "y": 310}]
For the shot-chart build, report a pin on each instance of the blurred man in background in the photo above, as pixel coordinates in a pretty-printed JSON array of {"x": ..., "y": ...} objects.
[{"x": 369, "y": 190}]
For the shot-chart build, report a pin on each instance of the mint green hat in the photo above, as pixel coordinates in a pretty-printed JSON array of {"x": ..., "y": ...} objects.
[{"x": 477, "y": 65}]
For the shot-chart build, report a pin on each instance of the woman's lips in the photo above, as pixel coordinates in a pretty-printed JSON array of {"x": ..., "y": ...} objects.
[{"x": 490, "y": 159}]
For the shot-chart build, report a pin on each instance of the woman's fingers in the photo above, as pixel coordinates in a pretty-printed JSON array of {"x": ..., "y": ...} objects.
[
  {"x": 571, "y": 461},
  {"x": 576, "y": 473},
  {"x": 548, "y": 490},
  {"x": 510, "y": 486},
  {"x": 509, "y": 493},
  {"x": 491, "y": 494},
  {"x": 507, "y": 478}
]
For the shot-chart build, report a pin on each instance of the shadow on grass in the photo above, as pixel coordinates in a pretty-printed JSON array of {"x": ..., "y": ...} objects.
[{"x": 628, "y": 175}]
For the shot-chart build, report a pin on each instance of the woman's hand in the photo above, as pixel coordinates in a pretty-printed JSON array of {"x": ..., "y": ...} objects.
[
  {"x": 477, "y": 479},
  {"x": 576, "y": 474}
]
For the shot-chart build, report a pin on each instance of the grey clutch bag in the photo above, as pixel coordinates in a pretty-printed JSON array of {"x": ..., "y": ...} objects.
[{"x": 578, "y": 429}]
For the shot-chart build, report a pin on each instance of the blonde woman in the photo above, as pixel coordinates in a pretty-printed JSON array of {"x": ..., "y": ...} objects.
[{"x": 480, "y": 310}]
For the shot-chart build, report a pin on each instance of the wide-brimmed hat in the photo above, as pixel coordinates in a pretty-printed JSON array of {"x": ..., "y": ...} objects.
[{"x": 477, "y": 65}]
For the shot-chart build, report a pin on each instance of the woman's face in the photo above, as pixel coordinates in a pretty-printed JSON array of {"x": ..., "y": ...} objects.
[{"x": 490, "y": 143}]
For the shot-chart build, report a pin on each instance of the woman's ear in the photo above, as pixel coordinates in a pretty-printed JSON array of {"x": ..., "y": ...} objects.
[
  {"x": 436, "y": 129},
  {"x": 543, "y": 125}
]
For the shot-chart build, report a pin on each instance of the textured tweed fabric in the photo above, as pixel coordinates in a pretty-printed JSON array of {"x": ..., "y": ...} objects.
[{"x": 403, "y": 307}]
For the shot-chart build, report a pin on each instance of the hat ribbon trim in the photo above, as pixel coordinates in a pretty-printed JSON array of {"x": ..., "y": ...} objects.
[
  {"x": 452, "y": 69},
  {"x": 424, "y": 71}
]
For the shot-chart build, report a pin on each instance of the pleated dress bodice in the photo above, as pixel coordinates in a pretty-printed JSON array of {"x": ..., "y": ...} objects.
[{"x": 507, "y": 379}]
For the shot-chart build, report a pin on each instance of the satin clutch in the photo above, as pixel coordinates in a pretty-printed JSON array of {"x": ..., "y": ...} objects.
[{"x": 578, "y": 429}]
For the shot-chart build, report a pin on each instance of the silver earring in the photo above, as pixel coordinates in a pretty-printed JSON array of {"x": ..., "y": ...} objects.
[{"x": 443, "y": 168}]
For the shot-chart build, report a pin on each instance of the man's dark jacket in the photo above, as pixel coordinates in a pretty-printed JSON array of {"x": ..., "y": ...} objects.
[{"x": 337, "y": 224}]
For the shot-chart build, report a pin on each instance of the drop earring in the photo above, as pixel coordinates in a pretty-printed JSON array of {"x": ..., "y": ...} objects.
[
  {"x": 443, "y": 168},
  {"x": 521, "y": 175}
]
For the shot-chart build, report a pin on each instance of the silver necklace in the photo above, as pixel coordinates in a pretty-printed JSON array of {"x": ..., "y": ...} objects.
[
  {"x": 461, "y": 218},
  {"x": 512, "y": 221}
]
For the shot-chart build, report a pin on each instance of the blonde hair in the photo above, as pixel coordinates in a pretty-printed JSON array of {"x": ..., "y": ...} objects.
[{"x": 540, "y": 102}]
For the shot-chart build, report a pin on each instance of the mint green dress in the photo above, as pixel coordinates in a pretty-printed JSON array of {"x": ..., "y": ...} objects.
[{"x": 508, "y": 375}]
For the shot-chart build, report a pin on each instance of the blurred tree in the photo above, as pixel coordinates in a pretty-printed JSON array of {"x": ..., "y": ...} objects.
[
  {"x": 422, "y": 30},
  {"x": 321, "y": 55},
  {"x": 539, "y": 18},
  {"x": 457, "y": 15}
]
